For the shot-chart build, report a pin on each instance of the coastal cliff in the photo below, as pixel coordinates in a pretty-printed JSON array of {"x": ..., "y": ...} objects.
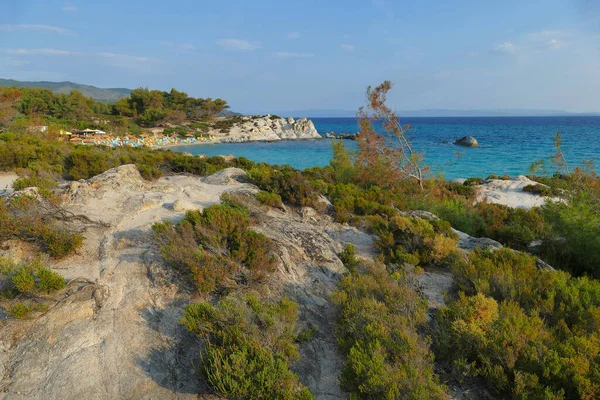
[{"x": 267, "y": 128}]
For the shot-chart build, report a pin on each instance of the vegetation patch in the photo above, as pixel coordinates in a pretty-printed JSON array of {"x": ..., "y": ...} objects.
[
  {"x": 216, "y": 247},
  {"x": 530, "y": 333},
  {"x": 37, "y": 220},
  {"x": 249, "y": 345},
  {"x": 377, "y": 330},
  {"x": 269, "y": 199}
]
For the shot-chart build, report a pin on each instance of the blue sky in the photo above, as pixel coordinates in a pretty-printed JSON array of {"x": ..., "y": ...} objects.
[{"x": 317, "y": 54}]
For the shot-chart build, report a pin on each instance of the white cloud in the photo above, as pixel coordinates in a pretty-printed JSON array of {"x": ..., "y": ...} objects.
[
  {"x": 293, "y": 35},
  {"x": 125, "y": 57},
  {"x": 36, "y": 28},
  {"x": 187, "y": 47},
  {"x": 238, "y": 44},
  {"x": 347, "y": 47},
  {"x": 556, "y": 44},
  {"x": 69, "y": 8},
  {"x": 46, "y": 52},
  {"x": 137, "y": 63},
  {"x": 286, "y": 54},
  {"x": 534, "y": 42},
  {"x": 506, "y": 47}
]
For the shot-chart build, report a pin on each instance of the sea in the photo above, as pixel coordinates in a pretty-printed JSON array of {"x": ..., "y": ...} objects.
[{"x": 507, "y": 145}]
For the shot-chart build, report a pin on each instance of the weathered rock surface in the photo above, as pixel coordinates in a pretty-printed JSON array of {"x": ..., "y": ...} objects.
[
  {"x": 268, "y": 128},
  {"x": 227, "y": 176},
  {"x": 467, "y": 141},
  {"x": 114, "y": 333},
  {"x": 510, "y": 193}
]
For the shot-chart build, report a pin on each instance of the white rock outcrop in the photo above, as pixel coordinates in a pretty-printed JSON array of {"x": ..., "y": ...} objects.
[{"x": 268, "y": 128}]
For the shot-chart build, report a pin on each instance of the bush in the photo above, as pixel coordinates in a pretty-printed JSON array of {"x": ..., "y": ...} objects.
[
  {"x": 523, "y": 329},
  {"x": 377, "y": 331},
  {"x": 503, "y": 177},
  {"x": 269, "y": 199},
  {"x": 415, "y": 241},
  {"x": 32, "y": 219},
  {"x": 216, "y": 247},
  {"x": 249, "y": 347},
  {"x": 473, "y": 181},
  {"x": 287, "y": 182},
  {"x": 348, "y": 257},
  {"x": 540, "y": 190},
  {"x": 29, "y": 279},
  {"x": 573, "y": 241},
  {"x": 22, "y": 310},
  {"x": 34, "y": 181}
]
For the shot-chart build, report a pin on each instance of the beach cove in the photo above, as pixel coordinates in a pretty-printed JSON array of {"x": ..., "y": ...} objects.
[{"x": 507, "y": 145}]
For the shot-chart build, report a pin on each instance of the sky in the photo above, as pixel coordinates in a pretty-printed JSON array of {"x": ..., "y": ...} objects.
[{"x": 267, "y": 55}]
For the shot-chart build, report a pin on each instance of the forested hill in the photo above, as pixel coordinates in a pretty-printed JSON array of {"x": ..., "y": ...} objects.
[{"x": 99, "y": 94}]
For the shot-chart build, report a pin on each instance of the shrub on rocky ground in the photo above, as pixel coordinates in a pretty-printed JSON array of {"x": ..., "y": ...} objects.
[
  {"x": 377, "y": 330},
  {"x": 269, "y": 199},
  {"x": 31, "y": 279},
  {"x": 249, "y": 345},
  {"x": 30, "y": 218},
  {"x": 523, "y": 329},
  {"x": 415, "y": 241},
  {"x": 216, "y": 247}
]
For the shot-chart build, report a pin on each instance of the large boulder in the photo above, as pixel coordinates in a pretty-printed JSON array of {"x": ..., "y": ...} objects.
[{"x": 467, "y": 141}]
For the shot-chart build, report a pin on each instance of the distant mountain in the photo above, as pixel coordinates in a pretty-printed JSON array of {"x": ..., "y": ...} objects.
[
  {"x": 438, "y": 113},
  {"x": 104, "y": 95}
]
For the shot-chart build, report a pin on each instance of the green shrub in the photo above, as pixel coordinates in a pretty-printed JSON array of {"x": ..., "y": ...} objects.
[
  {"x": 348, "y": 257},
  {"x": 34, "y": 181},
  {"x": 20, "y": 310},
  {"x": 249, "y": 347},
  {"x": 30, "y": 279},
  {"x": 574, "y": 239},
  {"x": 285, "y": 181},
  {"x": 523, "y": 329},
  {"x": 503, "y": 177},
  {"x": 473, "y": 181},
  {"x": 215, "y": 247},
  {"x": 269, "y": 199},
  {"x": 377, "y": 330},
  {"x": 540, "y": 190},
  {"x": 24, "y": 281},
  {"x": 415, "y": 241}
]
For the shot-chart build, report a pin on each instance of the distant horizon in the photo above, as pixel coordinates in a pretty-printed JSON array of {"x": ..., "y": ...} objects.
[{"x": 341, "y": 113}]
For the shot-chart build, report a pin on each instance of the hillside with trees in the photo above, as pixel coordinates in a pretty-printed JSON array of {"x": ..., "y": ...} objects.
[
  {"x": 142, "y": 108},
  {"x": 108, "y": 95}
]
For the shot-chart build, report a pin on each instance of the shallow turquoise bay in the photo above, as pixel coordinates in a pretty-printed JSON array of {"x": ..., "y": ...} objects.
[{"x": 508, "y": 145}]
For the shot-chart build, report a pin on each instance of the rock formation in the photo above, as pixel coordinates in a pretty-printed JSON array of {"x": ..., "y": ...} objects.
[
  {"x": 268, "y": 128},
  {"x": 467, "y": 141},
  {"x": 114, "y": 332}
]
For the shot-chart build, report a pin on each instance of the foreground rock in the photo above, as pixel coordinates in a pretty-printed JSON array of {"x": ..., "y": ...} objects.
[
  {"x": 114, "y": 332},
  {"x": 268, "y": 128},
  {"x": 467, "y": 141}
]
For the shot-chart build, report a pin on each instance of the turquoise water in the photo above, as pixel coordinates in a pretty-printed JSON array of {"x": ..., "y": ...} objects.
[{"x": 507, "y": 145}]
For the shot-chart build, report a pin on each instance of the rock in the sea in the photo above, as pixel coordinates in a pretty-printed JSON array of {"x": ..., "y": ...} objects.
[
  {"x": 227, "y": 176},
  {"x": 467, "y": 141}
]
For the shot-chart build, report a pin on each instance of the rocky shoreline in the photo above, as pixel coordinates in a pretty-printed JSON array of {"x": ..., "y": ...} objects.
[{"x": 267, "y": 128}]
